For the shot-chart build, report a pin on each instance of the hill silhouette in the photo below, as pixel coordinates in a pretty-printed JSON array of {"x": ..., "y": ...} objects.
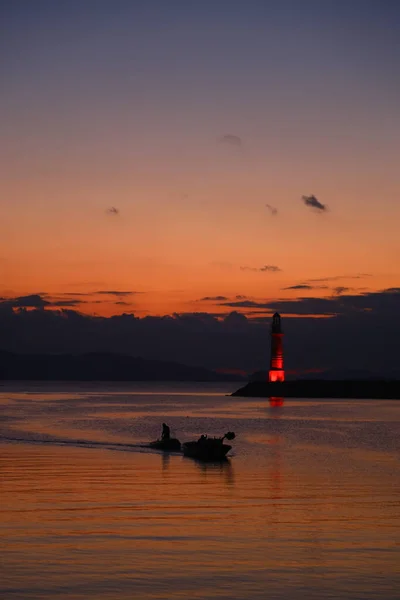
[
  {"x": 100, "y": 366},
  {"x": 359, "y": 332}
]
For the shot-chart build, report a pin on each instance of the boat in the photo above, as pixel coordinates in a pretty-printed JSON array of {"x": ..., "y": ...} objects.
[
  {"x": 168, "y": 445},
  {"x": 166, "y": 442},
  {"x": 208, "y": 448}
]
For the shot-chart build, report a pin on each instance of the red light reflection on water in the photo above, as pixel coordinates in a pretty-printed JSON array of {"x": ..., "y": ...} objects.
[{"x": 275, "y": 401}]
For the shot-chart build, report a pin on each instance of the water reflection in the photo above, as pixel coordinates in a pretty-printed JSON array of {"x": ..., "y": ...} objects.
[
  {"x": 275, "y": 401},
  {"x": 301, "y": 511},
  {"x": 166, "y": 460},
  {"x": 211, "y": 470},
  {"x": 275, "y": 475}
]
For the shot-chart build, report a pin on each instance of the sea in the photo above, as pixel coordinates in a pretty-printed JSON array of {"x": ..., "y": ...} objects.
[{"x": 306, "y": 507}]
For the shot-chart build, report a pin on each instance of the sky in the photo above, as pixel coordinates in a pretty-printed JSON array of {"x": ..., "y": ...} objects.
[{"x": 186, "y": 157}]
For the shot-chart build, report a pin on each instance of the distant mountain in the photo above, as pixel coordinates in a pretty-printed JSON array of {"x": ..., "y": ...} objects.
[
  {"x": 100, "y": 366},
  {"x": 356, "y": 374}
]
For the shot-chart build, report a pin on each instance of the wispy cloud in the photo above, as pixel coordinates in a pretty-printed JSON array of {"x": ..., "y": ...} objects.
[
  {"x": 71, "y": 294},
  {"x": 213, "y": 298},
  {"x": 306, "y": 286},
  {"x": 221, "y": 298},
  {"x": 313, "y": 202},
  {"x": 112, "y": 211},
  {"x": 341, "y": 289},
  {"x": 300, "y": 286},
  {"x": 118, "y": 293},
  {"x": 264, "y": 269},
  {"x": 338, "y": 277},
  {"x": 231, "y": 140},
  {"x": 272, "y": 210},
  {"x": 245, "y": 304},
  {"x": 68, "y": 302}
]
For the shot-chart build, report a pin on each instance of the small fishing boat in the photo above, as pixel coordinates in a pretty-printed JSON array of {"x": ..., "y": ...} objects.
[
  {"x": 208, "y": 449},
  {"x": 168, "y": 445},
  {"x": 166, "y": 442}
]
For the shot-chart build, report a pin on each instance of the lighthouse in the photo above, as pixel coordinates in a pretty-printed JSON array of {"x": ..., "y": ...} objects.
[{"x": 276, "y": 372}]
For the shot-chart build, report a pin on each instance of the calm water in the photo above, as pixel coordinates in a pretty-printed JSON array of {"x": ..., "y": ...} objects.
[{"x": 307, "y": 507}]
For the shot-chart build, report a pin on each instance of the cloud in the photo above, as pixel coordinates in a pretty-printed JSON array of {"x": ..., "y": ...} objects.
[
  {"x": 69, "y": 294},
  {"x": 220, "y": 298},
  {"x": 31, "y": 301},
  {"x": 116, "y": 293},
  {"x": 300, "y": 286},
  {"x": 271, "y": 268},
  {"x": 244, "y": 304},
  {"x": 340, "y": 290},
  {"x": 338, "y": 277},
  {"x": 313, "y": 202},
  {"x": 112, "y": 211},
  {"x": 353, "y": 337},
  {"x": 123, "y": 303},
  {"x": 69, "y": 302},
  {"x": 306, "y": 286},
  {"x": 231, "y": 140},
  {"x": 73, "y": 295},
  {"x": 212, "y": 298},
  {"x": 272, "y": 209},
  {"x": 346, "y": 305},
  {"x": 265, "y": 268},
  {"x": 39, "y": 301}
]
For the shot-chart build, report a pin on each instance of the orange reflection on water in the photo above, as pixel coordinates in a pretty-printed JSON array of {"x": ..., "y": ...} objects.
[{"x": 282, "y": 515}]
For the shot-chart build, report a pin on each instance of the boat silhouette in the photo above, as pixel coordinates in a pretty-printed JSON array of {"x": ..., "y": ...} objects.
[
  {"x": 168, "y": 445},
  {"x": 208, "y": 448}
]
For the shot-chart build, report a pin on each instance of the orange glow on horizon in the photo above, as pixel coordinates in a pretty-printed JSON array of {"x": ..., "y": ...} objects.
[{"x": 192, "y": 218}]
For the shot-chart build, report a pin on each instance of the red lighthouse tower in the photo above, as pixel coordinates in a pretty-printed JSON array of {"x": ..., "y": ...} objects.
[{"x": 276, "y": 372}]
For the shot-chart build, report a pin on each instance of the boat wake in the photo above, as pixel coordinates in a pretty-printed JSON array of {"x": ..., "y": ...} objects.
[{"x": 78, "y": 443}]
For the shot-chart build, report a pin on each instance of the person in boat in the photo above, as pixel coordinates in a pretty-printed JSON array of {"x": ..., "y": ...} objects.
[
  {"x": 202, "y": 438},
  {"x": 166, "y": 433}
]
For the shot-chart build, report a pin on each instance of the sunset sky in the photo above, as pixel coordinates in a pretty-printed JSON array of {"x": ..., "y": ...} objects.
[{"x": 155, "y": 153}]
